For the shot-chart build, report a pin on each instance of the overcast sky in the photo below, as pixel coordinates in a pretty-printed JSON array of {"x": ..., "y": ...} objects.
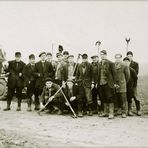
[{"x": 32, "y": 27}]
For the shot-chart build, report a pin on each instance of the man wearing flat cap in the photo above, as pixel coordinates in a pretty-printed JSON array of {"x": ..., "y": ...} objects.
[
  {"x": 130, "y": 85},
  {"x": 84, "y": 80},
  {"x": 50, "y": 59},
  {"x": 15, "y": 80},
  {"x": 43, "y": 69},
  {"x": 59, "y": 71},
  {"x": 29, "y": 79},
  {"x": 95, "y": 69},
  {"x": 106, "y": 85},
  {"x": 65, "y": 56},
  {"x": 75, "y": 96},
  {"x": 135, "y": 66},
  {"x": 56, "y": 102},
  {"x": 122, "y": 79},
  {"x": 69, "y": 68}
]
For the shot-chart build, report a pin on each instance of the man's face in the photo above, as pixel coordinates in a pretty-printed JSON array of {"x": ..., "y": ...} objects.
[
  {"x": 49, "y": 57},
  {"x": 65, "y": 56},
  {"x": 43, "y": 57},
  {"x": 32, "y": 61},
  {"x": 95, "y": 59},
  {"x": 70, "y": 84},
  {"x": 84, "y": 60},
  {"x": 130, "y": 57},
  {"x": 71, "y": 59},
  {"x": 127, "y": 63},
  {"x": 49, "y": 84},
  {"x": 118, "y": 59},
  {"x": 18, "y": 58},
  {"x": 103, "y": 56},
  {"x": 59, "y": 58}
]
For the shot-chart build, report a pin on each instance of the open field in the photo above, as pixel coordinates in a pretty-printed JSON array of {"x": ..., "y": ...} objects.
[{"x": 29, "y": 130}]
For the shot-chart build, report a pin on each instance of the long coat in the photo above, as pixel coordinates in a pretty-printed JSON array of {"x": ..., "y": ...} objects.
[
  {"x": 84, "y": 79},
  {"x": 122, "y": 77},
  {"x": 110, "y": 73},
  {"x": 28, "y": 74},
  {"x": 41, "y": 73},
  {"x": 14, "y": 80},
  {"x": 95, "y": 72},
  {"x": 135, "y": 66}
]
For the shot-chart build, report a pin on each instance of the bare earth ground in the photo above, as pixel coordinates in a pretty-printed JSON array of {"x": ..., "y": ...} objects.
[{"x": 29, "y": 130}]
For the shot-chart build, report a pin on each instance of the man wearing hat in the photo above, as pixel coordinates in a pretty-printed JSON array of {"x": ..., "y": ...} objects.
[
  {"x": 65, "y": 56},
  {"x": 50, "y": 59},
  {"x": 122, "y": 79},
  {"x": 69, "y": 68},
  {"x": 84, "y": 80},
  {"x": 106, "y": 84},
  {"x": 15, "y": 80},
  {"x": 56, "y": 102},
  {"x": 43, "y": 69},
  {"x": 75, "y": 96},
  {"x": 135, "y": 66},
  {"x": 95, "y": 70},
  {"x": 29, "y": 79},
  {"x": 130, "y": 85},
  {"x": 59, "y": 72}
]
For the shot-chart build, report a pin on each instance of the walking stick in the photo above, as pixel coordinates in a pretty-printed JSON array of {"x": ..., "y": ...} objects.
[
  {"x": 127, "y": 43},
  {"x": 60, "y": 89}
]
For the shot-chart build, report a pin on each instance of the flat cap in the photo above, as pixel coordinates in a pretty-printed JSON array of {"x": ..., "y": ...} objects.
[
  {"x": 49, "y": 53},
  {"x": 58, "y": 54},
  {"x": 129, "y": 53},
  {"x": 84, "y": 56},
  {"x": 95, "y": 56},
  {"x": 126, "y": 59},
  {"x": 103, "y": 51},
  {"x": 65, "y": 53},
  {"x": 18, "y": 54},
  {"x": 42, "y": 54},
  {"x": 48, "y": 79},
  {"x": 70, "y": 56},
  {"x": 31, "y": 56}
]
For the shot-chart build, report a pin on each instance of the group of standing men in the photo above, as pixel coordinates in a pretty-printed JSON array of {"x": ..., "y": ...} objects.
[{"x": 100, "y": 87}]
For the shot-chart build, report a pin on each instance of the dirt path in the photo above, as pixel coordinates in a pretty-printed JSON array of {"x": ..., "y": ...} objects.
[{"x": 23, "y": 129}]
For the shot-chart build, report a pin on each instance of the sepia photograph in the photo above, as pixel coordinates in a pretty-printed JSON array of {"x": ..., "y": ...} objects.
[{"x": 73, "y": 74}]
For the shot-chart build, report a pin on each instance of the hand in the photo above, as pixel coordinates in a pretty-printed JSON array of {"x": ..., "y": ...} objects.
[
  {"x": 72, "y": 98},
  {"x": 51, "y": 98},
  {"x": 20, "y": 74},
  {"x": 67, "y": 104},
  {"x": 39, "y": 74},
  {"x": 25, "y": 88},
  {"x": 92, "y": 85},
  {"x": 42, "y": 106},
  {"x": 63, "y": 84},
  {"x": 72, "y": 77},
  {"x": 116, "y": 86},
  {"x": 99, "y": 102}
]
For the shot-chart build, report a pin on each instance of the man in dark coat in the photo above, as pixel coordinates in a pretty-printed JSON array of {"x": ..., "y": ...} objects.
[
  {"x": 43, "y": 69},
  {"x": 29, "y": 79},
  {"x": 130, "y": 85},
  {"x": 106, "y": 84},
  {"x": 95, "y": 75},
  {"x": 68, "y": 69},
  {"x": 122, "y": 78},
  {"x": 75, "y": 96},
  {"x": 48, "y": 94},
  {"x": 15, "y": 80},
  {"x": 135, "y": 66},
  {"x": 84, "y": 79}
]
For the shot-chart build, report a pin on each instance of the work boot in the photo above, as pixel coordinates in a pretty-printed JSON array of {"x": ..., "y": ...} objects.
[
  {"x": 29, "y": 108},
  {"x": 105, "y": 113},
  {"x": 37, "y": 107},
  {"x": 90, "y": 112},
  {"x": 139, "y": 113},
  {"x": 111, "y": 111},
  {"x": 18, "y": 108},
  {"x": 7, "y": 108},
  {"x": 80, "y": 114},
  {"x": 123, "y": 115},
  {"x": 130, "y": 110}
]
